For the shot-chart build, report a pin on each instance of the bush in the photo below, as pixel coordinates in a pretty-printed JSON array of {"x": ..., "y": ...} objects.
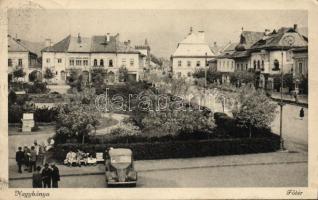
[
  {"x": 45, "y": 114},
  {"x": 15, "y": 113},
  {"x": 37, "y": 88},
  {"x": 181, "y": 149}
]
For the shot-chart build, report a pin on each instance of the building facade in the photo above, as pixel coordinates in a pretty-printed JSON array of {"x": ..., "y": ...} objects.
[
  {"x": 191, "y": 54},
  {"x": 83, "y": 55},
  {"x": 21, "y": 57}
]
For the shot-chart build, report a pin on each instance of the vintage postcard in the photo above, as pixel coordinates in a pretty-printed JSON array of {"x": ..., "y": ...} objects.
[{"x": 158, "y": 99}]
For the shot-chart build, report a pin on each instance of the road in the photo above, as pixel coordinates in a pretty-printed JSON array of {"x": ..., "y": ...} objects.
[{"x": 270, "y": 175}]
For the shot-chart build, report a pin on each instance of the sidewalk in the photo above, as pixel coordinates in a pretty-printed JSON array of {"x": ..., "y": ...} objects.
[
  {"x": 302, "y": 99},
  {"x": 175, "y": 164}
]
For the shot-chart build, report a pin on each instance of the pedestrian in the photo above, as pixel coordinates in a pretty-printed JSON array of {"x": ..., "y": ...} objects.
[
  {"x": 46, "y": 176},
  {"x": 26, "y": 159},
  {"x": 301, "y": 113},
  {"x": 32, "y": 159},
  {"x": 37, "y": 148},
  {"x": 19, "y": 157},
  {"x": 37, "y": 178},
  {"x": 296, "y": 97},
  {"x": 55, "y": 176}
]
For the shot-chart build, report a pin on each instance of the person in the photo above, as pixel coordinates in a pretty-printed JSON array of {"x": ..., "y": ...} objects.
[
  {"x": 19, "y": 157},
  {"x": 26, "y": 159},
  {"x": 46, "y": 176},
  {"x": 296, "y": 97},
  {"x": 55, "y": 176},
  {"x": 70, "y": 158},
  {"x": 301, "y": 113},
  {"x": 37, "y": 178},
  {"x": 37, "y": 148},
  {"x": 32, "y": 159},
  {"x": 91, "y": 160}
]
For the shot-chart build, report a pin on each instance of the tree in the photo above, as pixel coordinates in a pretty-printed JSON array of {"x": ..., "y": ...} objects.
[
  {"x": 288, "y": 81},
  {"x": 48, "y": 74},
  {"x": 78, "y": 119},
  {"x": 123, "y": 74},
  {"x": 254, "y": 110},
  {"x": 211, "y": 75},
  {"x": 242, "y": 77},
  {"x": 173, "y": 122},
  {"x": 18, "y": 73}
]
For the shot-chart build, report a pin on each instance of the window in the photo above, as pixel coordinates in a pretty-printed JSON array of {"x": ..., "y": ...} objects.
[
  {"x": 189, "y": 63},
  {"x": 276, "y": 65},
  {"x": 47, "y": 60},
  {"x": 237, "y": 66},
  {"x": 20, "y": 62},
  {"x": 85, "y": 62},
  {"x": 110, "y": 63},
  {"x": 179, "y": 63},
  {"x": 59, "y": 60},
  {"x": 242, "y": 67},
  {"x": 72, "y": 62},
  {"x": 232, "y": 64},
  {"x": 258, "y": 64},
  {"x": 254, "y": 64},
  {"x": 198, "y": 64},
  {"x": 123, "y": 61},
  {"x": 262, "y": 68},
  {"x": 245, "y": 66},
  {"x": 132, "y": 62},
  {"x": 56, "y": 73},
  {"x": 179, "y": 74},
  {"x": 101, "y": 62},
  {"x": 78, "y": 62},
  {"x": 300, "y": 68},
  {"x": 9, "y": 62},
  {"x": 189, "y": 74},
  {"x": 95, "y": 62}
]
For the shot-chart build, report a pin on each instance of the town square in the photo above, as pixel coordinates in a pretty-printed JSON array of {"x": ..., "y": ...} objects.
[{"x": 196, "y": 99}]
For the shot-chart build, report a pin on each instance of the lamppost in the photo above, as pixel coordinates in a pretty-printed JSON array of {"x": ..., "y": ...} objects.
[{"x": 288, "y": 41}]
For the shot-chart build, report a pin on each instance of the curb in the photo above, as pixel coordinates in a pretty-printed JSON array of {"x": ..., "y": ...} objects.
[
  {"x": 291, "y": 102},
  {"x": 169, "y": 169}
]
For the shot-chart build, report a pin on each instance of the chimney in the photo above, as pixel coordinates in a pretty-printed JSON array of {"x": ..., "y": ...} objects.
[
  {"x": 107, "y": 37},
  {"x": 267, "y": 32},
  {"x": 191, "y": 30},
  {"x": 295, "y": 28},
  {"x": 201, "y": 36},
  {"x": 79, "y": 39},
  {"x": 47, "y": 42}
]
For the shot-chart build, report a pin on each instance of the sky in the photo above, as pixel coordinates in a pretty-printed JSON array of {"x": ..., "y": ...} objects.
[{"x": 162, "y": 28}]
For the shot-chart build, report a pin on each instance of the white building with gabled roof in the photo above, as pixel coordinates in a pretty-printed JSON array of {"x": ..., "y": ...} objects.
[{"x": 192, "y": 53}]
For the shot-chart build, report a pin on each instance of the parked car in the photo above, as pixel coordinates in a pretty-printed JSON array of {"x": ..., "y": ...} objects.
[{"x": 120, "y": 168}]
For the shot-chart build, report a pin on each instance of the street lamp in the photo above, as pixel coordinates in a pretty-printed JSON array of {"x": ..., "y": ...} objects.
[{"x": 287, "y": 40}]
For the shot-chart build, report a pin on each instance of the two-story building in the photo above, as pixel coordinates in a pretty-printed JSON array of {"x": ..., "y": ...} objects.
[
  {"x": 271, "y": 55},
  {"x": 21, "y": 57},
  {"x": 191, "y": 54},
  {"x": 83, "y": 55},
  {"x": 225, "y": 62}
]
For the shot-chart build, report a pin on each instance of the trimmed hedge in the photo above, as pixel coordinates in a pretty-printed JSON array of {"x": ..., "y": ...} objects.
[{"x": 181, "y": 149}]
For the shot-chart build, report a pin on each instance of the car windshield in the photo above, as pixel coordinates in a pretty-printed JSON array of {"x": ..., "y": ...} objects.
[{"x": 120, "y": 162}]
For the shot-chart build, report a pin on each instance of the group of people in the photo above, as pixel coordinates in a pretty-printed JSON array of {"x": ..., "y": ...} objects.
[
  {"x": 79, "y": 158},
  {"x": 29, "y": 157},
  {"x": 47, "y": 177}
]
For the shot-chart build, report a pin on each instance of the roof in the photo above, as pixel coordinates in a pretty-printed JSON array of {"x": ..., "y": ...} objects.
[
  {"x": 248, "y": 38},
  {"x": 97, "y": 43},
  {"x": 279, "y": 39},
  {"x": 61, "y": 46},
  {"x": 120, "y": 152},
  {"x": 34, "y": 47},
  {"x": 15, "y": 45},
  {"x": 193, "y": 45}
]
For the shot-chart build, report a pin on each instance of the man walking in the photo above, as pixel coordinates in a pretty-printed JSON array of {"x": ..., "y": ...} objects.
[
  {"x": 46, "y": 176},
  {"x": 19, "y": 157},
  {"x": 301, "y": 113},
  {"x": 37, "y": 178},
  {"x": 32, "y": 159},
  {"x": 55, "y": 176}
]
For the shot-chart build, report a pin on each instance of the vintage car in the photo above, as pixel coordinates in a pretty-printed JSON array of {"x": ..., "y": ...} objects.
[{"x": 120, "y": 168}]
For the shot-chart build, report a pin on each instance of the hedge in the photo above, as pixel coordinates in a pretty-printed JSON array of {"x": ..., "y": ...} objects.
[{"x": 181, "y": 149}]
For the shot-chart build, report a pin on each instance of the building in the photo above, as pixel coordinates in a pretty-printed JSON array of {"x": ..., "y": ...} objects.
[
  {"x": 21, "y": 57},
  {"x": 191, "y": 54},
  {"x": 242, "y": 54},
  {"x": 84, "y": 55},
  {"x": 300, "y": 69},
  {"x": 271, "y": 55},
  {"x": 225, "y": 62},
  {"x": 146, "y": 59}
]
